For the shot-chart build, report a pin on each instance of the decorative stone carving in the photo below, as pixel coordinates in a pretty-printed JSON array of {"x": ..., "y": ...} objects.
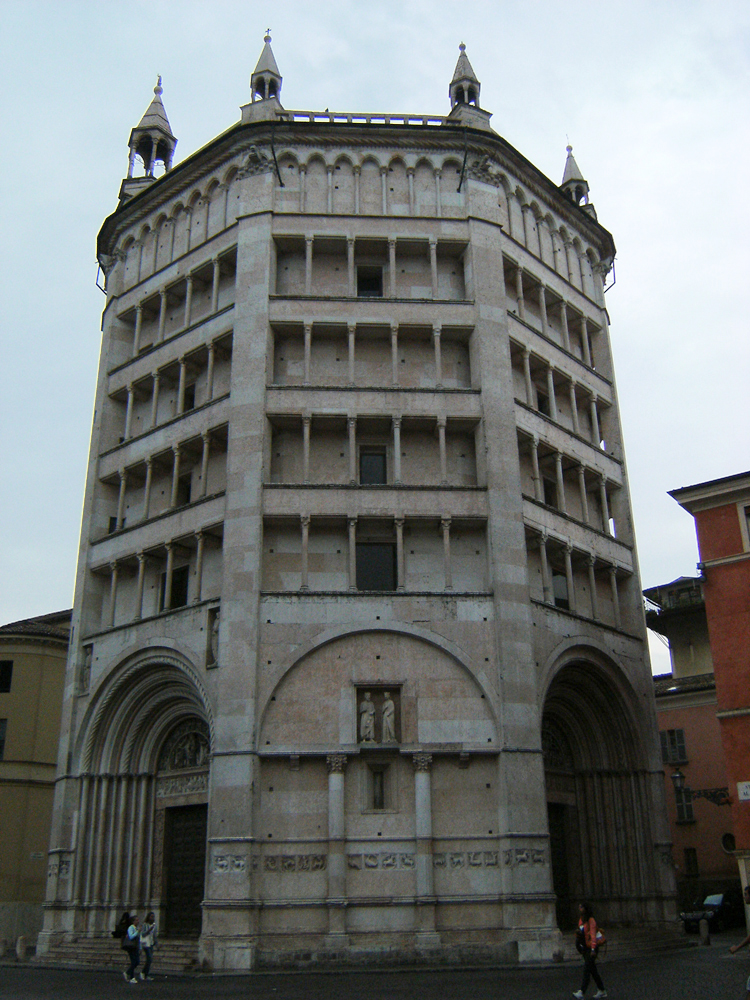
[
  {"x": 256, "y": 162},
  {"x": 523, "y": 856},
  {"x": 484, "y": 169},
  {"x": 336, "y": 763},
  {"x": 292, "y": 862},
  {"x": 421, "y": 761},
  {"x": 227, "y": 864},
  {"x": 462, "y": 859},
  {"x": 214, "y": 640},
  {"x": 186, "y": 747},
  {"x": 367, "y": 719},
  {"x": 384, "y": 861},
  {"x": 84, "y": 677},
  {"x": 389, "y": 719},
  {"x": 187, "y": 784}
]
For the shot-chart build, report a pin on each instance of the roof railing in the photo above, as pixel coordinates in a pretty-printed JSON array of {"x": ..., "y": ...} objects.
[{"x": 345, "y": 118}]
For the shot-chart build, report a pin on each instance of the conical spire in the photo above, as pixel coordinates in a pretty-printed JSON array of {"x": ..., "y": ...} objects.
[
  {"x": 464, "y": 88},
  {"x": 266, "y": 79},
  {"x": 574, "y": 185},
  {"x": 155, "y": 116},
  {"x": 152, "y": 139}
]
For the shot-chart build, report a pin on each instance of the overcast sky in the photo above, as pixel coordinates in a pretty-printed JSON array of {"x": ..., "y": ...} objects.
[{"x": 653, "y": 95}]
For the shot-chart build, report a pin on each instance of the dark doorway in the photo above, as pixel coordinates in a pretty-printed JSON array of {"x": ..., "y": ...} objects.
[
  {"x": 559, "y": 857},
  {"x": 184, "y": 866}
]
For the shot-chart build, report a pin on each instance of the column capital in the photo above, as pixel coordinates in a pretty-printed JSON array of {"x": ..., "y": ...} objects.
[
  {"x": 351, "y": 327},
  {"x": 149, "y": 460},
  {"x": 114, "y": 566},
  {"x": 399, "y": 521},
  {"x": 189, "y": 278},
  {"x": 175, "y": 449},
  {"x": 433, "y": 242},
  {"x": 603, "y": 479},
  {"x": 352, "y": 520},
  {"x": 181, "y": 361},
  {"x": 391, "y": 241},
  {"x": 357, "y": 168},
  {"x": 591, "y": 560},
  {"x": 304, "y": 520},
  {"x": 569, "y": 547},
  {"x": 526, "y": 351},
  {"x": 352, "y": 421},
  {"x": 156, "y": 377},
  {"x": 330, "y": 168},
  {"x": 198, "y": 534},
  {"x": 383, "y": 171},
  {"x": 336, "y": 763},
  {"x": 441, "y": 422},
  {"x": 131, "y": 388},
  {"x": 141, "y": 557},
  {"x": 169, "y": 545},
  {"x": 162, "y": 293},
  {"x": 122, "y": 473},
  {"x": 394, "y": 329},
  {"x": 397, "y": 421},
  {"x": 422, "y": 762},
  {"x": 436, "y": 329},
  {"x": 139, "y": 308},
  {"x": 309, "y": 240},
  {"x": 307, "y": 328},
  {"x": 306, "y": 419},
  {"x": 445, "y": 522},
  {"x": 206, "y": 435},
  {"x": 303, "y": 168},
  {"x": 438, "y": 172},
  {"x": 350, "y": 241},
  {"x": 535, "y": 440}
]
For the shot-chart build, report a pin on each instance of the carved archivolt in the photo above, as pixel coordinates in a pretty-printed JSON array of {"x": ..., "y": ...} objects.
[{"x": 186, "y": 747}]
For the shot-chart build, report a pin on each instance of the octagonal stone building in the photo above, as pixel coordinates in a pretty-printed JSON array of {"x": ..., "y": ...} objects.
[{"x": 359, "y": 666}]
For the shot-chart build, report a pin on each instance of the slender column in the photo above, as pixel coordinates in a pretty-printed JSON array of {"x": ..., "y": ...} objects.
[
  {"x": 543, "y": 309},
  {"x": 200, "y": 540},
  {"x": 181, "y": 386},
  {"x": 357, "y": 175},
  {"x": 147, "y": 487},
  {"x": 564, "y": 322},
  {"x": 595, "y": 435},
  {"x": 433, "y": 268},
  {"x": 306, "y": 422},
  {"x": 102, "y": 841},
  {"x": 351, "y": 330},
  {"x": 308, "y": 352},
  {"x": 394, "y": 353},
  {"x": 525, "y": 210},
  {"x": 175, "y": 475},
  {"x": 383, "y": 188},
  {"x": 205, "y": 453},
  {"x": 584, "y": 493},
  {"x": 144, "y": 781},
  {"x": 527, "y": 376},
  {"x": 129, "y": 412},
  {"x": 520, "y": 304},
  {"x": 155, "y": 398},
  {"x": 210, "y": 372},
  {"x": 131, "y": 161},
  {"x": 443, "y": 456},
  {"x": 422, "y": 763},
  {"x": 308, "y": 264},
  {"x": 546, "y": 588},
  {"x": 605, "y": 504},
  {"x": 352, "y": 525},
  {"x": 169, "y": 546},
  {"x": 445, "y": 524},
  {"x": 113, "y": 573},
  {"x": 83, "y": 827},
  {"x": 410, "y": 181},
  {"x": 567, "y": 244},
  {"x": 138, "y": 610},
  {"x": 560, "y": 483},
  {"x": 569, "y": 576},
  {"x": 162, "y": 315},
  {"x": 591, "y": 563},
  {"x": 121, "y": 499},
  {"x": 574, "y": 407},
  {"x": 352, "y": 287},
  {"x": 305, "y": 524},
  {"x": 215, "y": 284},
  {"x": 397, "y": 450},
  {"x": 535, "y": 469},
  {"x": 336, "y": 763},
  {"x": 188, "y": 300},
  {"x": 438, "y": 195},
  {"x": 615, "y": 595},
  {"x": 352, "y": 423},
  {"x": 329, "y": 170},
  {"x": 137, "y": 330},
  {"x": 551, "y": 392},
  {"x": 121, "y": 809},
  {"x": 438, "y": 356},
  {"x": 585, "y": 346},
  {"x": 392, "y": 268},
  {"x": 399, "y": 522},
  {"x": 302, "y": 186}
]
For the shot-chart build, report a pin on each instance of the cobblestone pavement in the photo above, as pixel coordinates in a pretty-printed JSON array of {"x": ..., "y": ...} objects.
[{"x": 686, "y": 974}]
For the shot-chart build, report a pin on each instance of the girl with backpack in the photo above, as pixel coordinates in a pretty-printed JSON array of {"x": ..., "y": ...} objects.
[{"x": 587, "y": 945}]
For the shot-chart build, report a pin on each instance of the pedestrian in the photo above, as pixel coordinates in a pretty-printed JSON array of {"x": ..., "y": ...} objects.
[
  {"x": 736, "y": 947},
  {"x": 131, "y": 944},
  {"x": 148, "y": 943},
  {"x": 587, "y": 946}
]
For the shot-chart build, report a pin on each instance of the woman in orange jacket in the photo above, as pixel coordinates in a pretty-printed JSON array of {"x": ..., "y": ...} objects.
[{"x": 587, "y": 945}]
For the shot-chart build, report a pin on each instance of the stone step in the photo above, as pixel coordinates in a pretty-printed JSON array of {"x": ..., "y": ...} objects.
[{"x": 104, "y": 952}]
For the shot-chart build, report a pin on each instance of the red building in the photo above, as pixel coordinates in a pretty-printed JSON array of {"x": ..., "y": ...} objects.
[{"x": 721, "y": 509}]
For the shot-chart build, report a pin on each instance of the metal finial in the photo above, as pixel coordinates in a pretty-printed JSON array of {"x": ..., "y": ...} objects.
[
  {"x": 158, "y": 89},
  {"x": 267, "y": 36},
  {"x": 462, "y": 47}
]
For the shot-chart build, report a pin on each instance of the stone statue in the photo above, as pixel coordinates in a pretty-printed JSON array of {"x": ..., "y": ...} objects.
[
  {"x": 389, "y": 719},
  {"x": 367, "y": 720},
  {"x": 215, "y": 638}
]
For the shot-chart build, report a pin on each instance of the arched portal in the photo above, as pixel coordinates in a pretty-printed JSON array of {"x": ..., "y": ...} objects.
[{"x": 601, "y": 846}]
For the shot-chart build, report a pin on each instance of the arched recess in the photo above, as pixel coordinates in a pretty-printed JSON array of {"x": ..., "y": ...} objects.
[
  {"x": 451, "y": 199},
  {"x": 130, "y": 783},
  {"x": 316, "y": 186},
  {"x": 597, "y": 786},
  {"x": 425, "y": 192},
  {"x": 286, "y": 198},
  {"x": 343, "y": 187},
  {"x": 397, "y": 193},
  {"x": 370, "y": 188}
]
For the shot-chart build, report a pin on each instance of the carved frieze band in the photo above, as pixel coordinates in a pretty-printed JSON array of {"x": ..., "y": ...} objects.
[
  {"x": 182, "y": 784},
  {"x": 387, "y": 860}
]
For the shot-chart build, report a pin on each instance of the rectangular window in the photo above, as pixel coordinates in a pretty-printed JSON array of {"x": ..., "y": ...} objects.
[
  {"x": 6, "y": 675},
  {"x": 180, "y": 579},
  {"x": 560, "y": 590},
  {"x": 372, "y": 467},
  {"x": 3, "y": 729},
  {"x": 691, "y": 862},
  {"x": 685, "y": 812},
  {"x": 673, "y": 746},
  {"x": 376, "y": 566},
  {"x": 184, "y": 489},
  {"x": 370, "y": 282},
  {"x": 542, "y": 403},
  {"x": 189, "y": 397},
  {"x": 550, "y": 492}
]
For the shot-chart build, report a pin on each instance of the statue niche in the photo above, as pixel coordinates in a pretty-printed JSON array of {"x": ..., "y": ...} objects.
[{"x": 378, "y": 715}]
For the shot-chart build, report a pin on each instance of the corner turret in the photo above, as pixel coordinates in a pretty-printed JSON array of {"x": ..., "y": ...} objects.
[
  {"x": 265, "y": 86},
  {"x": 464, "y": 95},
  {"x": 574, "y": 185},
  {"x": 151, "y": 141}
]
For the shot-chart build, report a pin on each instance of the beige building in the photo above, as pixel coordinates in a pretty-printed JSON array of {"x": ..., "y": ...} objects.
[
  {"x": 32, "y": 678},
  {"x": 360, "y": 663}
]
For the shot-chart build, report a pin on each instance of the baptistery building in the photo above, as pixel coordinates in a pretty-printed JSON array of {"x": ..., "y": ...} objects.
[{"x": 358, "y": 667}]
